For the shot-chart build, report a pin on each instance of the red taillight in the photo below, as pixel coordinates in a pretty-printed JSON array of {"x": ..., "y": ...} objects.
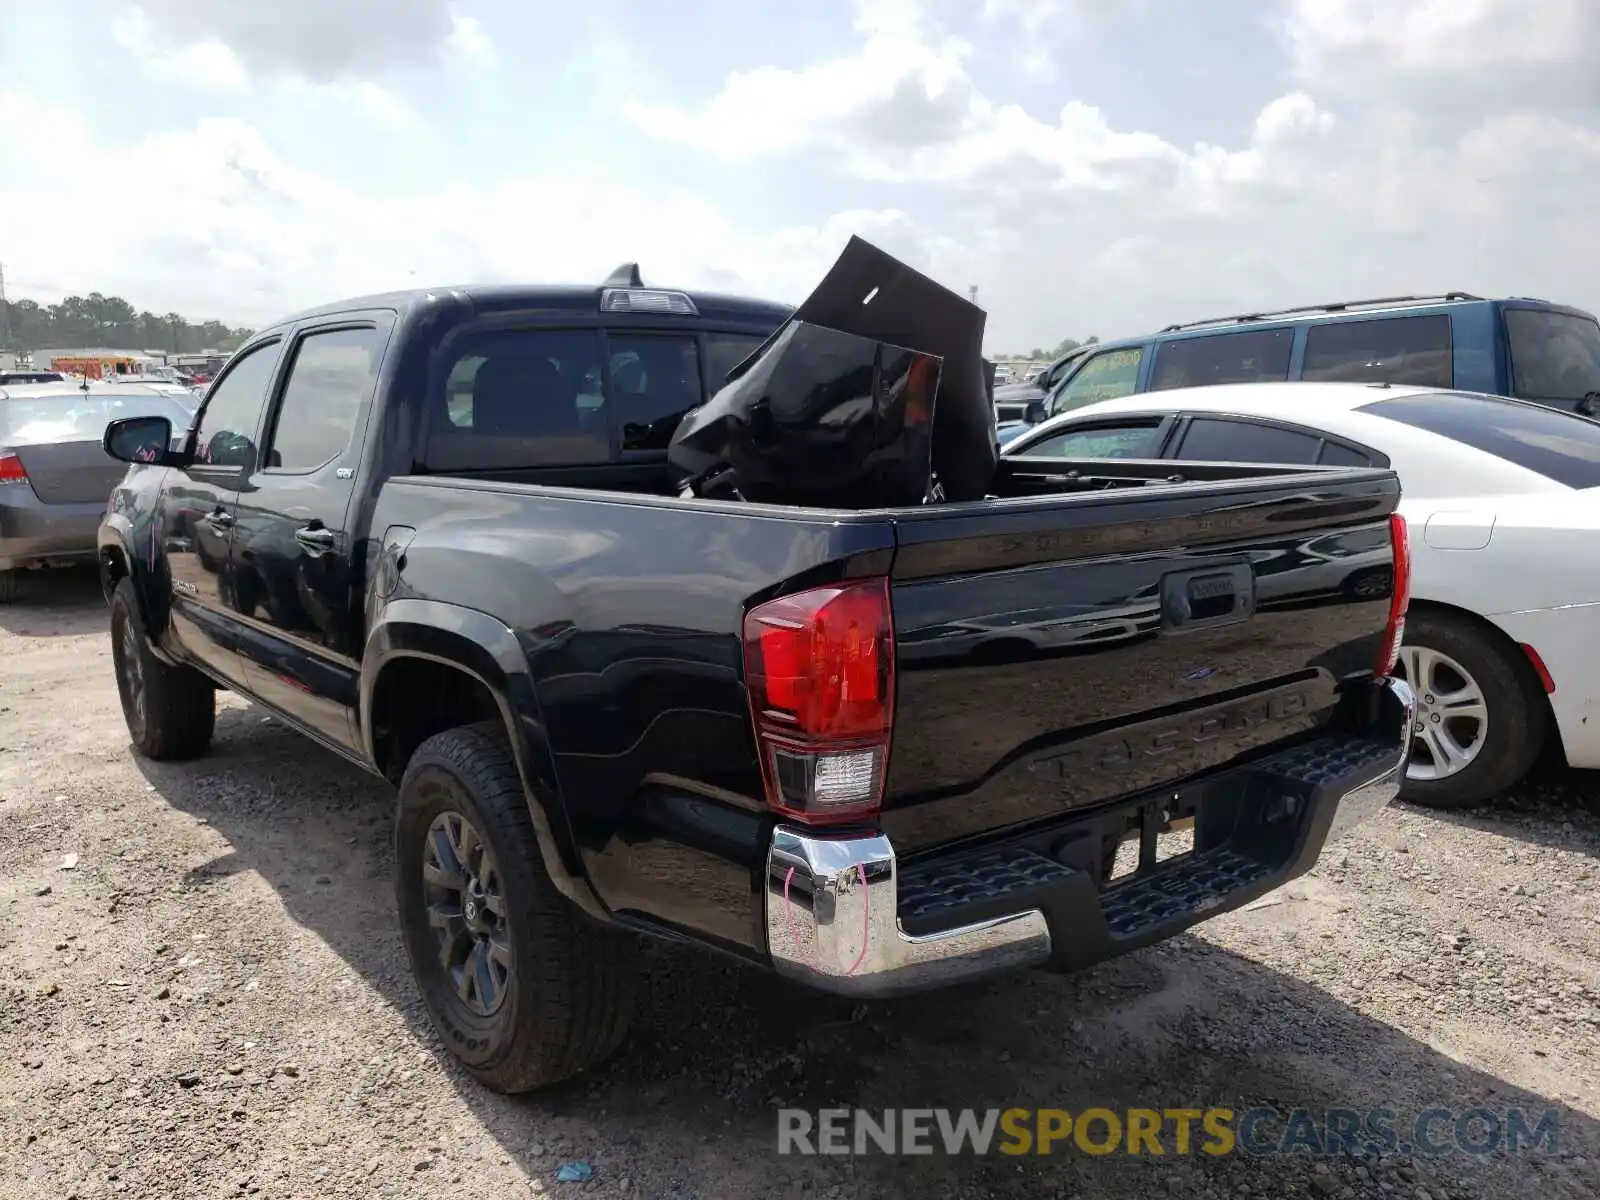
[
  {"x": 820, "y": 669},
  {"x": 11, "y": 468},
  {"x": 1399, "y": 598}
]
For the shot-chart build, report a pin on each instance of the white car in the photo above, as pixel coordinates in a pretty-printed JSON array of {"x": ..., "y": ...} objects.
[{"x": 1502, "y": 500}]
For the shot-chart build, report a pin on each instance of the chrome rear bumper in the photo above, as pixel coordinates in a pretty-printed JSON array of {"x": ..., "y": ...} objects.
[{"x": 833, "y": 900}]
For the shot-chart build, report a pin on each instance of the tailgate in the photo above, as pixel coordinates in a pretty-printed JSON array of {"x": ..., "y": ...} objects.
[
  {"x": 1053, "y": 655},
  {"x": 70, "y": 472}
]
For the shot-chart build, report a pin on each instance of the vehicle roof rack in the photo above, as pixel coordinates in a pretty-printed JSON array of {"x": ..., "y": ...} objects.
[
  {"x": 1340, "y": 306},
  {"x": 625, "y": 276}
]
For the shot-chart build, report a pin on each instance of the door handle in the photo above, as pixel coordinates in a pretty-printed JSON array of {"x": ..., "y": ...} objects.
[
  {"x": 314, "y": 537},
  {"x": 219, "y": 519}
]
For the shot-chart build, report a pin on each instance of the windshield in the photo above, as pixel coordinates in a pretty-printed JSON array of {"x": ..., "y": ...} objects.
[
  {"x": 1554, "y": 356},
  {"x": 78, "y": 416}
]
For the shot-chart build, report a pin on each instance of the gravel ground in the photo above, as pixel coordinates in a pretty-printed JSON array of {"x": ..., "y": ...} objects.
[{"x": 206, "y": 996}]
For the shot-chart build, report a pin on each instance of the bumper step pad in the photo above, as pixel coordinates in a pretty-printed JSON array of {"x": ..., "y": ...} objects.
[{"x": 1190, "y": 887}]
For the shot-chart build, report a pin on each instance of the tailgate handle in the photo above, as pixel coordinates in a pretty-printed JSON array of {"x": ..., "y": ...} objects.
[{"x": 1209, "y": 597}]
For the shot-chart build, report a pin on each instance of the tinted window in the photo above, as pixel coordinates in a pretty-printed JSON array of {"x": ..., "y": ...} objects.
[
  {"x": 1335, "y": 455},
  {"x": 332, "y": 376},
  {"x": 520, "y": 398},
  {"x": 655, "y": 379},
  {"x": 725, "y": 351},
  {"x": 1123, "y": 441},
  {"x": 1104, "y": 376},
  {"x": 1259, "y": 354},
  {"x": 1211, "y": 440},
  {"x": 226, "y": 436},
  {"x": 1552, "y": 443},
  {"x": 1554, "y": 356},
  {"x": 1414, "y": 350}
]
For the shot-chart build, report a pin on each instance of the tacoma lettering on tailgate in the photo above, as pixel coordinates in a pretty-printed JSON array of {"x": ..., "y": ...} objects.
[{"x": 1242, "y": 724}]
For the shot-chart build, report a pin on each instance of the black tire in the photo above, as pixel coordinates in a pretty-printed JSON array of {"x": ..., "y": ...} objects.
[
  {"x": 171, "y": 711},
  {"x": 567, "y": 996},
  {"x": 1518, "y": 713},
  {"x": 8, "y": 586}
]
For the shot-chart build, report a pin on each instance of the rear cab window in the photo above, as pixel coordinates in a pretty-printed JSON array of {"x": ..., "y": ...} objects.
[
  {"x": 724, "y": 352},
  {"x": 524, "y": 398},
  {"x": 1560, "y": 446},
  {"x": 1554, "y": 356},
  {"x": 1401, "y": 350},
  {"x": 518, "y": 398},
  {"x": 1253, "y": 356}
]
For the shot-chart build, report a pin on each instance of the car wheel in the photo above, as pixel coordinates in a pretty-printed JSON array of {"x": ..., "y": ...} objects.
[
  {"x": 524, "y": 988},
  {"x": 1481, "y": 719},
  {"x": 8, "y": 586},
  {"x": 171, "y": 710}
]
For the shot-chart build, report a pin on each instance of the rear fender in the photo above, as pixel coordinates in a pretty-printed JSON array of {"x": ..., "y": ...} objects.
[{"x": 486, "y": 649}]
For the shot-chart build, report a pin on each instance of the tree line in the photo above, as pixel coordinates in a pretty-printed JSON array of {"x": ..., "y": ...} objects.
[
  {"x": 1041, "y": 355},
  {"x": 108, "y": 322}
]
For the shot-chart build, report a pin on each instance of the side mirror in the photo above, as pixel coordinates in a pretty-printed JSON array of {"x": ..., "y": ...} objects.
[
  {"x": 1034, "y": 412},
  {"x": 139, "y": 440}
]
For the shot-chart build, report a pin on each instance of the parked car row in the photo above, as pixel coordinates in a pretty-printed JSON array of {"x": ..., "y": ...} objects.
[
  {"x": 54, "y": 475},
  {"x": 1529, "y": 349},
  {"x": 1502, "y": 498}
]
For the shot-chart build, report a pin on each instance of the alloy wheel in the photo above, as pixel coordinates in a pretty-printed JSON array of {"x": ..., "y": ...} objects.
[
  {"x": 130, "y": 672},
  {"x": 1452, "y": 714},
  {"x": 468, "y": 914}
]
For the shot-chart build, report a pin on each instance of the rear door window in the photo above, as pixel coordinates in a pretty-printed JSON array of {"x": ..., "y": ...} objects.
[
  {"x": 1130, "y": 439},
  {"x": 1555, "y": 444},
  {"x": 1554, "y": 356},
  {"x": 1408, "y": 350},
  {"x": 1210, "y": 439},
  {"x": 1255, "y": 356}
]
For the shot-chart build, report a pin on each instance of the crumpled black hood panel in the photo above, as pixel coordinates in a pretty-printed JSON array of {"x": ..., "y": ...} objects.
[{"x": 876, "y": 383}]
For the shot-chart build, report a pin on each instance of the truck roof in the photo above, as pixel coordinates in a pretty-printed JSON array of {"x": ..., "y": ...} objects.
[{"x": 514, "y": 297}]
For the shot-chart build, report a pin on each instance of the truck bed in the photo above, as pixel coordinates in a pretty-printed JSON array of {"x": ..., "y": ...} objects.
[{"x": 1041, "y": 665}]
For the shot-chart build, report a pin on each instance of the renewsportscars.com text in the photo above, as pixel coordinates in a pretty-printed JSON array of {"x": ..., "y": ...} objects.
[{"x": 1262, "y": 1131}]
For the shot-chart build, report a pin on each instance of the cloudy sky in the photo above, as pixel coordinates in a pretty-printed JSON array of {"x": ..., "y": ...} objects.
[{"x": 1093, "y": 166}]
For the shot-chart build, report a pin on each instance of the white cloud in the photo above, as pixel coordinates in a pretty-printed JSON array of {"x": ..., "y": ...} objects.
[
  {"x": 902, "y": 107},
  {"x": 205, "y": 61},
  {"x": 1335, "y": 189},
  {"x": 467, "y": 40},
  {"x": 323, "y": 42},
  {"x": 1360, "y": 179},
  {"x": 210, "y": 63},
  {"x": 250, "y": 237},
  {"x": 1444, "y": 54}
]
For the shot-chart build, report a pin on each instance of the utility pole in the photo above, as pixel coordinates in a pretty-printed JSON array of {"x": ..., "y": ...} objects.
[{"x": 5, "y": 312}]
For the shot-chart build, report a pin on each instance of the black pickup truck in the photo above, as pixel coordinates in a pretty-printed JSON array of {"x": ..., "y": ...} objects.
[{"x": 870, "y": 749}]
